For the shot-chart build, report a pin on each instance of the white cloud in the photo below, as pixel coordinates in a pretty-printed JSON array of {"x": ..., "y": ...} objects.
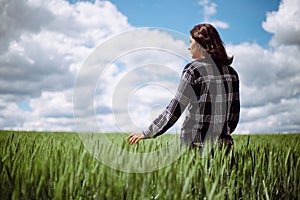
[
  {"x": 284, "y": 23},
  {"x": 270, "y": 77},
  {"x": 51, "y": 111},
  {"x": 270, "y": 87},
  {"x": 209, "y": 10},
  {"x": 18, "y": 17},
  {"x": 143, "y": 58},
  {"x": 11, "y": 116},
  {"x": 282, "y": 116},
  {"x": 267, "y": 75},
  {"x": 43, "y": 45}
]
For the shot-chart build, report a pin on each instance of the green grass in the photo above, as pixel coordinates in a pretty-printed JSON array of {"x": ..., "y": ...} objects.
[{"x": 38, "y": 165}]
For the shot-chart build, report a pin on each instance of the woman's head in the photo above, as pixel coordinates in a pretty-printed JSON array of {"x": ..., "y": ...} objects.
[{"x": 209, "y": 39}]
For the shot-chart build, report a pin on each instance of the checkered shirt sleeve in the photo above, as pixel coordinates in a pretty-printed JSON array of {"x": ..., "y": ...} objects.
[{"x": 175, "y": 108}]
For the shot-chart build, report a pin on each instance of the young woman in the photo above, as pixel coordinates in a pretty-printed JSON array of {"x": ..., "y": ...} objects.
[{"x": 208, "y": 89}]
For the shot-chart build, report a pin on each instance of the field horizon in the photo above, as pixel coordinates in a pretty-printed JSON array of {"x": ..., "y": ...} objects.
[{"x": 113, "y": 132}]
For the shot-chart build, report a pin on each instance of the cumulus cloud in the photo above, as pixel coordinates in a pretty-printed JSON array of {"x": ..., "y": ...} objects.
[
  {"x": 11, "y": 116},
  {"x": 51, "y": 111},
  {"x": 284, "y": 23},
  {"x": 209, "y": 10},
  {"x": 43, "y": 45},
  {"x": 18, "y": 17},
  {"x": 270, "y": 85},
  {"x": 270, "y": 77},
  {"x": 282, "y": 117},
  {"x": 151, "y": 58},
  {"x": 40, "y": 64},
  {"x": 267, "y": 75}
]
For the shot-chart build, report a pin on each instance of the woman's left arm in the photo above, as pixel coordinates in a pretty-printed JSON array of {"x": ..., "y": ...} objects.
[{"x": 172, "y": 112}]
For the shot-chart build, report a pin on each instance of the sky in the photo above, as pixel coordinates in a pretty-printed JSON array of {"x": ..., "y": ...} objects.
[{"x": 46, "y": 46}]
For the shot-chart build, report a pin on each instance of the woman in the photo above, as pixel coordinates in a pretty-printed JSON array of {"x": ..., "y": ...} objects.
[{"x": 209, "y": 89}]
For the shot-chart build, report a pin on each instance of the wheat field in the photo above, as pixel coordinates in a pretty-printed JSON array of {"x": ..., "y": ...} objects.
[{"x": 50, "y": 165}]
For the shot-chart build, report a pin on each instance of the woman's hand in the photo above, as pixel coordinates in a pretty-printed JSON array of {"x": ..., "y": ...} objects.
[{"x": 134, "y": 138}]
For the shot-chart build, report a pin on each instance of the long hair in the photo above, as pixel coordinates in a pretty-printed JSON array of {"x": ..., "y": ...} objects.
[{"x": 208, "y": 37}]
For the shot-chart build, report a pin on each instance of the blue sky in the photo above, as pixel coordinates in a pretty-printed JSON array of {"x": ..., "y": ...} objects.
[
  {"x": 45, "y": 43},
  {"x": 243, "y": 16}
]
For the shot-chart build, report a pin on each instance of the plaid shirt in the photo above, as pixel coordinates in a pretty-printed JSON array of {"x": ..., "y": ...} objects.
[{"x": 210, "y": 96}]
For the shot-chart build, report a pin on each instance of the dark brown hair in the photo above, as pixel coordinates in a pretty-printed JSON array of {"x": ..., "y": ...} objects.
[{"x": 208, "y": 37}]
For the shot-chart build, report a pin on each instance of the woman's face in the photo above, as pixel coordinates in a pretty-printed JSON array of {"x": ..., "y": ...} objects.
[{"x": 194, "y": 48}]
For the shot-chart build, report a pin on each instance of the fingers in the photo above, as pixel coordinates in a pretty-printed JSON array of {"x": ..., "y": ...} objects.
[{"x": 134, "y": 138}]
